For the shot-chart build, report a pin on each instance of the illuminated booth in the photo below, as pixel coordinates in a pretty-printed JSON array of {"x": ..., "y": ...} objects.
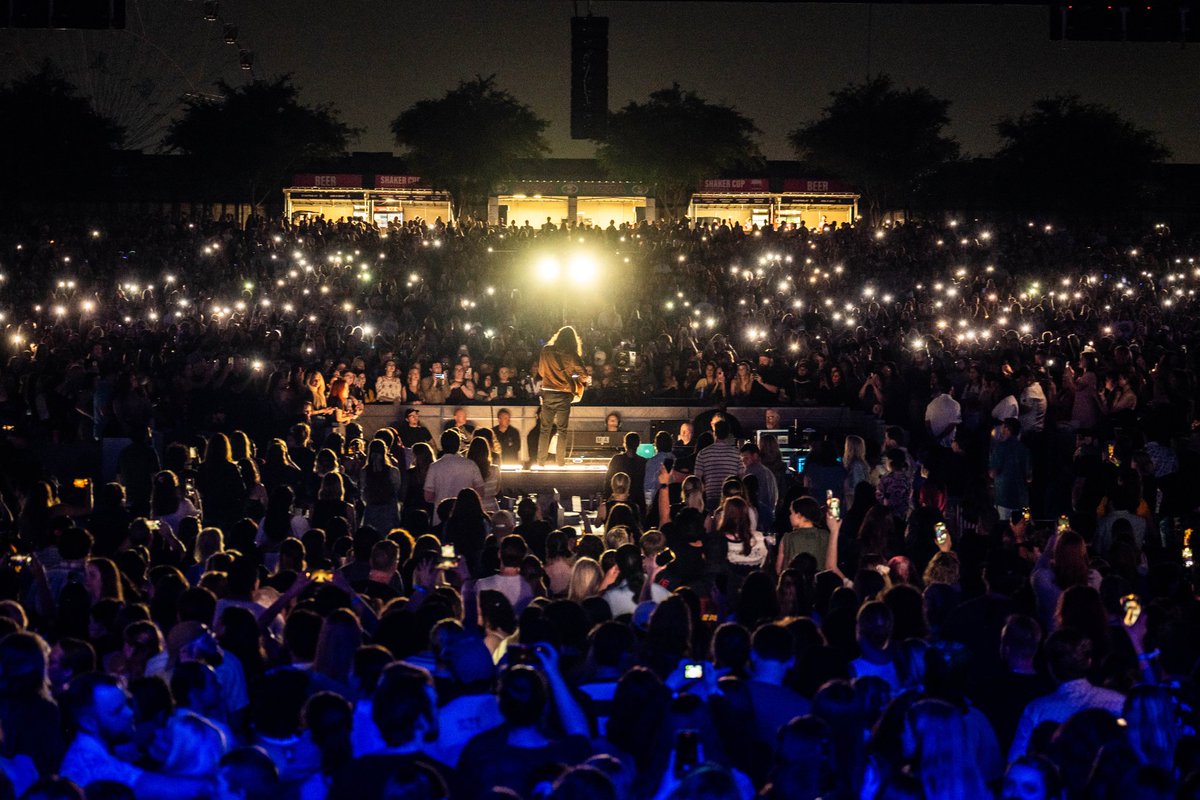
[
  {"x": 816, "y": 203},
  {"x": 534, "y": 203},
  {"x": 395, "y": 198},
  {"x": 750, "y": 201}
]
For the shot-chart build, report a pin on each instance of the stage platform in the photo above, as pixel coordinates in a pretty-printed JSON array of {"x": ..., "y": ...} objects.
[
  {"x": 646, "y": 420},
  {"x": 582, "y": 477}
]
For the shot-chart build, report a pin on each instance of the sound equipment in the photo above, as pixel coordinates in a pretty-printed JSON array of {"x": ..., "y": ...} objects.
[{"x": 589, "y": 77}]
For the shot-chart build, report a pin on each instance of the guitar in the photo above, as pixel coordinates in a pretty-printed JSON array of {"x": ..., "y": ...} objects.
[{"x": 579, "y": 384}]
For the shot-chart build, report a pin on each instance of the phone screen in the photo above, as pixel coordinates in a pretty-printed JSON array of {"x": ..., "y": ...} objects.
[
  {"x": 1131, "y": 608},
  {"x": 693, "y": 672},
  {"x": 687, "y": 752}
]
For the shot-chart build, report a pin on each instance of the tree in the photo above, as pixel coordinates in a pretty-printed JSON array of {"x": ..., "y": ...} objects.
[
  {"x": 467, "y": 140},
  {"x": 1069, "y": 157},
  {"x": 883, "y": 140},
  {"x": 51, "y": 137},
  {"x": 676, "y": 139},
  {"x": 254, "y": 136}
]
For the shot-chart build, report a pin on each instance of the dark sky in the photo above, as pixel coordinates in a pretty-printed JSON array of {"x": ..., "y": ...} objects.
[{"x": 776, "y": 62}]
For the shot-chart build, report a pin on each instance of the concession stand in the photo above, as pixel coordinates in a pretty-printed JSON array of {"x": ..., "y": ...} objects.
[
  {"x": 752, "y": 201},
  {"x": 534, "y": 203},
  {"x": 393, "y": 198}
]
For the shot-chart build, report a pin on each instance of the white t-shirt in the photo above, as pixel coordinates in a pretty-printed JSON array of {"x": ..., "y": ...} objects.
[
  {"x": 942, "y": 412},
  {"x": 449, "y": 475},
  {"x": 621, "y": 600},
  {"x": 1034, "y": 399},
  {"x": 1007, "y": 408}
]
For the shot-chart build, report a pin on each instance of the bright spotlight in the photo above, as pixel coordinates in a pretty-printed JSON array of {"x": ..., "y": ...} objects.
[
  {"x": 582, "y": 269},
  {"x": 547, "y": 269}
]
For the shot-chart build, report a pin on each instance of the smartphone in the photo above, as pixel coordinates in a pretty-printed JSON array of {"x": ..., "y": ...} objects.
[
  {"x": 1131, "y": 609},
  {"x": 81, "y": 483},
  {"x": 693, "y": 672},
  {"x": 522, "y": 654},
  {"x": 835, "y": 507},
  {"x": 664, "y": 557},
  {"x": 441, "y": 376},
  {"x": 1025, "y": 514},
  {"x": 1188, "y": 561},
  {"x": 687, "y": 752},
  {"x": 449, "y": 557},
  {"x": 321, "y": 575},
  {"x": 941, "y": 534},
  {"x": 193, "y": 453},
  {"x": 1064, "y": 524}
]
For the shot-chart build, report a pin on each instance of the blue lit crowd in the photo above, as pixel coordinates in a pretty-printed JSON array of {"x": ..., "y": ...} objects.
[{"x": 988, "y": 593}]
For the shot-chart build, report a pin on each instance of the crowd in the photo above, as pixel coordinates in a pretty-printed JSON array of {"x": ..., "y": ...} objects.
[{"x": 994, "y": 598}]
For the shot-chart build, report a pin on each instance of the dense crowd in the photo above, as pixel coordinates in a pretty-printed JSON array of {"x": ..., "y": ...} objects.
[{"x": 993, "y": 598}]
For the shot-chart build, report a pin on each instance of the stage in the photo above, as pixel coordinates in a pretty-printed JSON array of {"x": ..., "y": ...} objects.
[{"x": 587, "y": 421}]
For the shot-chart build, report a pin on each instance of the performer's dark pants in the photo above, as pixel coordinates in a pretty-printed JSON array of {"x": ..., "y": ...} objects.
[{"x": 554, "y": 415}]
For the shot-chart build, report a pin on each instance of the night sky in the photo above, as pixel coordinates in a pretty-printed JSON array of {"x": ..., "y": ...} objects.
[{"x": 775, "y": 62}]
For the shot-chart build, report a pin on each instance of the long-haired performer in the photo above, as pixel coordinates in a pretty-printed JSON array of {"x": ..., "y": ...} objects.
[{"x": 563, "y": 382}]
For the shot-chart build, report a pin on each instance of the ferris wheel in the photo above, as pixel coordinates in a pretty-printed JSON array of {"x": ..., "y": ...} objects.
[{"x": 140, "y": 76}]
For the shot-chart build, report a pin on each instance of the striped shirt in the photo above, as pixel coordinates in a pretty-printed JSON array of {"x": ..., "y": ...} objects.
[{"x": 714, "y": 464}]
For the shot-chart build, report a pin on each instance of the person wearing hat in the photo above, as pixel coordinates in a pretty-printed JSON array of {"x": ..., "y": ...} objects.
[{"x": 412, "y": 432}]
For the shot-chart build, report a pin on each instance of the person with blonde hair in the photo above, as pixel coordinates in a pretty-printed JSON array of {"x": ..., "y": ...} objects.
[
  {"x": 945, "y": 756},
  {"x": 620, "y": 485},
  {"x": 196, "y": 746},
  {"x": 586, "y": 580},
  {"x": 858, "y": 470}
]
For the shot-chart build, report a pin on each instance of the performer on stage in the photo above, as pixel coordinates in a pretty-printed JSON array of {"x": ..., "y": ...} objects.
[{"x": 563, "y": 382}]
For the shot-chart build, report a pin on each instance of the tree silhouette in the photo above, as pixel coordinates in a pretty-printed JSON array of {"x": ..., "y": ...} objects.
[
  {"x": 883, "y": 140},
  {"x": 467, "y": 140},
  {"x": 1068, "y": 157},
  {"x": 51, "y": 136},
  {"x": 676, "y": 139},
  {"x": 253, "y": 137}
]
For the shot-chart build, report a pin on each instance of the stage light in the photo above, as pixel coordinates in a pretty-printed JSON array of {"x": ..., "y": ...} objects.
[
  {"x": 582, "y": 269},
  {"x": 548, "y": 269}
]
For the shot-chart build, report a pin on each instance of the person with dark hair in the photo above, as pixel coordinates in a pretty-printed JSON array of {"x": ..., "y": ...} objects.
[
  {"x": 1032, "y": 778},
  {"x": 771, "y": 704},
  {"x": 1011, "y": 470},
  {"x": 717, "y": 463},
  {"x": 29, "y": 717},
  {"x": 450, "y": 474},
  {"x": 404, "y": 710},
  {"x": 104, "y": 720},
  {"x": 247, "y": 773},
  {"x": 873, "y": 632},
  {"x": 564, "y": 379},
  {"x": 511, "y": 754},
  {"x": 1003, "y": 698},
  {"x": 1069, "y": 659},
  {"x": 807, "y": 534},
  {"x": 509, "y": 581}
]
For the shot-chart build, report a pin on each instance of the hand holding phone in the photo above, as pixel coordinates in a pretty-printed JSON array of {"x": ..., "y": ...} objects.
[
  {"x": 687, "y": 752},
  {"x": 1131, "y": 610}
]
